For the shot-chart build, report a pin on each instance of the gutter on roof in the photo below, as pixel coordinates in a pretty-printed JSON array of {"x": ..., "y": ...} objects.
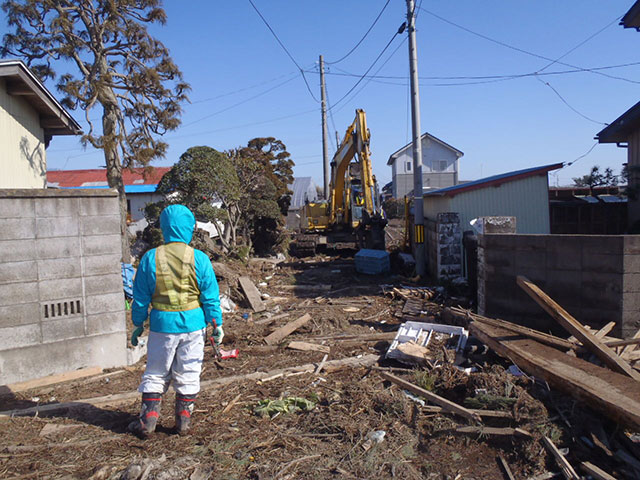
[{"x": 57, "y": 111}]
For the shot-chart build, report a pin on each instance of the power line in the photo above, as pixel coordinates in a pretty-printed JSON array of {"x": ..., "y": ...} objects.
[
  {"x": 363, "y": 37},
  {"x": 581, "y": 156},
  {"x": 506, "y": 45},
  {"x": 345, "y": 73},
  {"x": 567, "y": 103},
  {"x": 333, "y": 123},
  {"x": 400, "y": 30},
  {"x": 380, "y": 68},
  {"x": 581, "y": 43},
  {"x": 285, "y": 49},
  {"x": 242, "y": 101}
]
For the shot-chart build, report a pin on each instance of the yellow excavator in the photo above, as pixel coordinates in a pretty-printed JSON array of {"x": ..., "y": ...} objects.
[{"x": 352, "y": 216}]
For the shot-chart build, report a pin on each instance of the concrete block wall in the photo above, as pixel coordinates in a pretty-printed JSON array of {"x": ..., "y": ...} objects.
[
  {"x": 61, "y": 298},
  {"x": 595, "y": 278},
  {"x": 444, "y": 246}
]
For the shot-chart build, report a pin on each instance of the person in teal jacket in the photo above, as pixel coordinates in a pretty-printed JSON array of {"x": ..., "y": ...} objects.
[{"x": 179, "y": 283}]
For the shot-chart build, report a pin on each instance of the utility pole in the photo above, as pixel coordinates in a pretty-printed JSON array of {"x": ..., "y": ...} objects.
[
  {"x": 418, "y": 207},
  {"x": 325, "y": 132}
]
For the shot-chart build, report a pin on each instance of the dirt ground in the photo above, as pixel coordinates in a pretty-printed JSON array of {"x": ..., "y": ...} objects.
[{"x": 332, "y": 440}]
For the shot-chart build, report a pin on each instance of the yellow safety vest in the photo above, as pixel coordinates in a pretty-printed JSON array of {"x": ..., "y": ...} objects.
[{"x": 176, "y": 282}]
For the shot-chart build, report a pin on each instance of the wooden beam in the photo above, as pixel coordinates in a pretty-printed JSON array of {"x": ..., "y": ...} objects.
[
  {"x": 433, "y": 398},
  {"x": 610, "y": 393},
  {"x": 505, "y": 467},
  {"x": 541, "y": 337},
  {"x": 252, "y": 294},
  {"x": 495, "y": 431},
  {"x": 629, "y": 348},
  {"x": 567, "y": 470},
  {"x": 309, "y": 347},
  {"x": 574, "y": 327},
  {"x": 51, "y": 380},
  {"x": 482, "y": 413},
  {"x": 286, "y": 330},
  {"x": 128, "y": 397},
  {"x": 595, "y": 472}
]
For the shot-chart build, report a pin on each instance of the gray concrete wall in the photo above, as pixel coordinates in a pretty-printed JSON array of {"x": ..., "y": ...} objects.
[
  {"x": 61, "y": 299},
  {"x": 595, "y": 278}
]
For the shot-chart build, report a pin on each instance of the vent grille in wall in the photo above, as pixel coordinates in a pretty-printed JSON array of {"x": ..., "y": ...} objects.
[{"x": 64, "y": 308}]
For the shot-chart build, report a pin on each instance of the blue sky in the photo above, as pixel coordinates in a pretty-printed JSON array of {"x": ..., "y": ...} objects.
[{"x": 244, "y": 85}]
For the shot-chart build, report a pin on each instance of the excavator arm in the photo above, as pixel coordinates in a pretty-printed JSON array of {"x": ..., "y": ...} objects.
[{"x": 355, "y": 144}]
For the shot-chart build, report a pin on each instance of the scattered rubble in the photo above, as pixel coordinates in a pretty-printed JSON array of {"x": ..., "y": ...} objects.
[{"x": 412, "y": 386}]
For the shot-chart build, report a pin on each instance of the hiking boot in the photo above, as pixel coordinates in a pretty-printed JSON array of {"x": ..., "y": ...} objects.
[
  {"x": 145, "y": 425},
  {"x": 184, "y": 409}
]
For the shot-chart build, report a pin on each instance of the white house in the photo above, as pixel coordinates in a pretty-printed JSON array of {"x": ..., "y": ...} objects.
[
  {"x": 440, "y": 166},
  {"x": 29, "y": 117}
]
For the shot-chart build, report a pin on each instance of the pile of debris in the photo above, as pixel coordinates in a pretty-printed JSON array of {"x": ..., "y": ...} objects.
[{"x": 351, "y": 376}]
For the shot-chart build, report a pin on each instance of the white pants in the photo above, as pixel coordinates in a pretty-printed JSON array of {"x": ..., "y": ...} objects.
[{"x": 174, "y": 357}]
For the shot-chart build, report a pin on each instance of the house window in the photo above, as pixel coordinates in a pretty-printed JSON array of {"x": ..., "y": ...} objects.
[
  {"x": 408, "y": 166},
  {"x": 439, "y": 165}
]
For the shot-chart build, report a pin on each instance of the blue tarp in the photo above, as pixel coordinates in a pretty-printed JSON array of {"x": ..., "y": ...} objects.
[{"x": 128, "y": 272}]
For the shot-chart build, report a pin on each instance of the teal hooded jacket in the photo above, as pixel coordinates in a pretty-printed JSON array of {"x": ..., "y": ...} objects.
[{"x": 177, "y": 224}]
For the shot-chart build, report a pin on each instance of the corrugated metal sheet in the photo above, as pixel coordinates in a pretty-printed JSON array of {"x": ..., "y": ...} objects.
[{"x": 527, "y": 199}]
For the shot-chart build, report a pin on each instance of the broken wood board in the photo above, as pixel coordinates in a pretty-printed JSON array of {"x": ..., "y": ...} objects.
[
  {"x": 494, "y": 431},
  {"x": 432, "y": 397},
  {"x": 596, "y": 472},
  {"x": 305, "y": 288},
  {"x": 286, "y": 330},
  {"x": 629, "y": 348},
  {"x": 252, "y": 294},
  {"x": 482, "y": 413},
  {"x": 574, "y": 327},
  {"x": 541, "y": 337},
  {"x": 309, "y": 347},
  {"x": 266, "y": 321},
  {"x": 129, "y": 397},
  {"x": 367, "y": 337},
  {"x": 613, "y": 394},
  {"x": 50, "y": 380},
  {"x": 506, "y": 468},
  {"x": 567, "y": 470},
  {"x": 412, "y": 353}
]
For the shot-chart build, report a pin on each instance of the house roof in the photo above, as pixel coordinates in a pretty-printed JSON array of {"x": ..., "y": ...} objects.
[
  {"x": 493, "y": 181},
  {"x": 134, "y": 181},
  {"x": 394, "y": 155},
  {"x": 631, "y": 19},
  {"x": 621, "y": 128},
  {"x": 20, "y": 81}
]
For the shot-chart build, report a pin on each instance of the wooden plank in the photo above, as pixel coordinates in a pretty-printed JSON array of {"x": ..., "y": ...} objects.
[
  {"x": 541, "y": 337},
  {"x": 495, "y": 431},
  {"x": 630, "y": 348},
  {"x": 481, "y": 413},
  {"x": 367, "y": 337},
  {"x": 433, "y": 398},
  {"x": 128, "y": 397},
  {"x": 266, "y": 321},
  {"x": 305, "y": 288},
  {"x": 282, "y": 332},
  {"x": 600, "y": 334},
  {"x": 309, "y": 347},
  {"x": 51, "y": 379},
  {"x": 321, "y": 364},
  {"x": 569, "y": 323},
  {"x": 252, "y": 294},
  {"x": 232, "y": 403},
  {"x": 611, "y": 393},
  {"x": 505, "y": 467},
  {"x": 596, "y": 472},
  {"x": 567, "y": 470}
]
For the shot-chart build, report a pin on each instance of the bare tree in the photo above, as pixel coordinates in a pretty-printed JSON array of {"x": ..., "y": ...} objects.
[{"x": 110, "y": 62}]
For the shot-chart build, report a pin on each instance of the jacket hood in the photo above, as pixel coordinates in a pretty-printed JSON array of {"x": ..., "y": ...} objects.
[{"x": 177, "y": 224}]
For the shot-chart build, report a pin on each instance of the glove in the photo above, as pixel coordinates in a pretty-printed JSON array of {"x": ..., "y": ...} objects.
[
  {"x": 134, "y": 336},
  {"x": 218, "y": 335}
]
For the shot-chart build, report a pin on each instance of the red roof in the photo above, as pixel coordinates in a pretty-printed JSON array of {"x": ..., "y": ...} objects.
[{"x": 98, "y": 177}]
